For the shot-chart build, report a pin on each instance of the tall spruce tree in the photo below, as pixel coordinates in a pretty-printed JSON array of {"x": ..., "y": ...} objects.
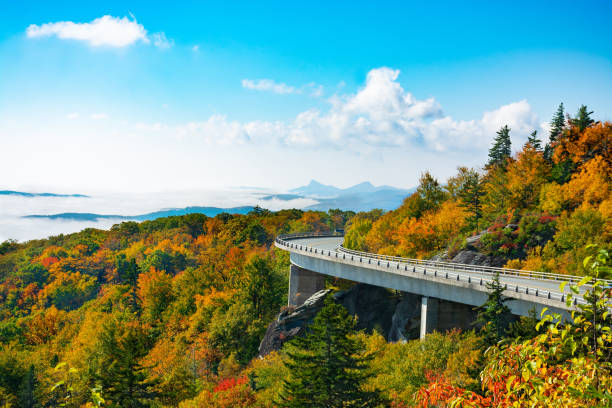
[
  {"x": 28, "y": 389},
  {"x": 501, "y": 149},
  {"x": 470, "y": 194},
  {"x": 533, "y": 140},
  {"x": 556, "y": 128},
  {"x": 124, "y": 380},
  {"x": 494, "y": 316},
  {"x": 583, "y": 118},
  {"x": 325, "y": 367}
]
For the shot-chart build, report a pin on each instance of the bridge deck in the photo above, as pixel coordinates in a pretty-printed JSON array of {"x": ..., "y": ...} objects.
[
  {"x": 444, "y": 280},
  {"x": 333, "y": 244}
]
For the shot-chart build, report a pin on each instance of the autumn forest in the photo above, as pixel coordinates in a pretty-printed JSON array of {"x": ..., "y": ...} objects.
[{"x": 171, "y": 312}]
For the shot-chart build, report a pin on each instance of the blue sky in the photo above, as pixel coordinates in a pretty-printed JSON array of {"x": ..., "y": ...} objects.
[{"x": 189, "y": 95}]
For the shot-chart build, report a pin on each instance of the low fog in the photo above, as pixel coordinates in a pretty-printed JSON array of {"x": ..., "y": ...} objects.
[{"x": 14, "y": 208}]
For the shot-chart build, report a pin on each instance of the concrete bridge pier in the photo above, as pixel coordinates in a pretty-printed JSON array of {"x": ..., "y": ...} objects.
[
  {"x": 303, "y": 284},
  {"x": 429, "y": 315}
]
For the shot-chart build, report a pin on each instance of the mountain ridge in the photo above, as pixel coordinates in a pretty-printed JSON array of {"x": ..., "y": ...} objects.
[
  {"x": 208, "y": 211},
  {"x": 317, "y": 189},
  {"x": 26, "y": 194}
]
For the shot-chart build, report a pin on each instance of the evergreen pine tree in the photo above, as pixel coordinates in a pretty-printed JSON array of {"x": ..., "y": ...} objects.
[
  {"x": 494, "y": 315},
  {"x": 470, "y": 195},
  {"x": 325, "y": 367},
  {"x": 583, "y": 118},
  {"x": 28, "y": 389},
  {"x": 123, "y": 379},
  {"x": 501, "y": 149},
  {"x": 556, "y": 128},
  {"x": 533, "y": 140}
]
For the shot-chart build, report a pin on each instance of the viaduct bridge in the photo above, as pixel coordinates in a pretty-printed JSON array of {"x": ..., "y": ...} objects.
[{"x": 449, "y": 291}]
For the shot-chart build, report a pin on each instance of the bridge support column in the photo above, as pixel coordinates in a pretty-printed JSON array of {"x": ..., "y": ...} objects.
[
  {"x": 303, "y": 284},
  {"x": 429, "y": 315}
]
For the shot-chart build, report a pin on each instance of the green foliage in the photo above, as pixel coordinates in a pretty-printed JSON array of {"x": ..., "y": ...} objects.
[
  {"x": 562, "y": 172},
  {"x": 72, "y": 292},
  {"x": 496, "y": 197},
  {"x": 578, "y": 229},
  {"x": 325, "y": 367},
  {"x": 500, "y": 152},
  {"x": 430, "y": 193},
  {"x": 469, "y": 190},
  {"x": 399, "y": 369},
  {"x": 10, "y": 331},
  {"x": 33, "y": 273},
  {"x": 494, "y": 316},
  {"x": 161, "y": 260},
  {"x": 127, "y": 270},
  {"x": 262, "y": 286},
  {"x": 14, "y": 375},
  {"x": 524, "y": 328},
  {"x": 534, "y": 141},
  {"x": 8, "y": 246},
  {"x": 118, "y": 368},
  {"x": 267, "y": 375},
  {"x": 593, "y": 319},
  {"x": 236, "y": 330},
  {"x": 556, "y": 128},
  {"x": 583, "y": 118},
  {"x": 355, "y": 236},
  {"x": 533, "y": 230}
]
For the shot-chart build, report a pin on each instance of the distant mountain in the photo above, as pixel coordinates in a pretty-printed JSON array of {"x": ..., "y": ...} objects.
[
  {"x": 209, "y": 211},
  {"x": 365, "y": 187},
  {"x": 383, "y": 199},
  {"x": 78, "y": 216},
  {"x": 360, "y": 197},
  {"x": 24, "y": 194},
  {"x": 316, "y": 189}
]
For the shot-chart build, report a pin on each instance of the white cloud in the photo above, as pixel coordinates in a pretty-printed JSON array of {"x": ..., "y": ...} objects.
[
  {"x": 73, "y": 115},
  {"x": 268, "y": 85},
  {"x": 545, "y": 126},
  {"x": 216, "y": 130},
  {"x": 447, "y": 134},
  {"x": 160, "y": 40},
  {"x": 103, "y": 31},
  {"x": 380, "y": 114},
  {"x": 98, "y": 116},
  {"x": 316, "y": 90},
  {"x": 195, "y": 48}
]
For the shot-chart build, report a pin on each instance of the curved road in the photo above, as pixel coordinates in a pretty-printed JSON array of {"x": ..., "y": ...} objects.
[{"x": 547, "y": 285}]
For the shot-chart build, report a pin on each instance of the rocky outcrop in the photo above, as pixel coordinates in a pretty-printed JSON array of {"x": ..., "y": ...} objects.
[
  {"x": 471, "y": 254},
  {"x": 468, "y": 256},
  {"x": 291, "y": 322},
  {"x": 395, "y": 315}
]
